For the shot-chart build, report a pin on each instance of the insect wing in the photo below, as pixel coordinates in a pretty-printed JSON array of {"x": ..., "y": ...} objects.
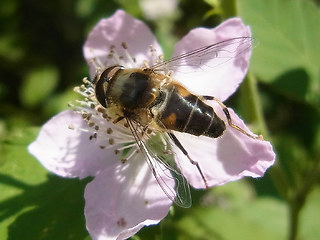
[
  {"x": 207, "y": 57},
  {"x": 159, "y": 148},
  {"x": 158, "y": 155}
]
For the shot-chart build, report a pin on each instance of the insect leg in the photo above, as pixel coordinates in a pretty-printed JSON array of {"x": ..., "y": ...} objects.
[
  {"x": 231, "y": 124},
  {"x": 184, "y": 151},
  {"x": 118, "y": 119}
]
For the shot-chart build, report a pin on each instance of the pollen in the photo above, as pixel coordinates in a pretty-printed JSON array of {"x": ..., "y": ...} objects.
[
  {"x": 124, "y": 45},
  {"x": 123, "y": 160},
  {"x": 109, "y": 131},
  {"x": 101, "y": 109},
  {"x": 105, "y": 116},
  {"x": 93, "y": 136}
]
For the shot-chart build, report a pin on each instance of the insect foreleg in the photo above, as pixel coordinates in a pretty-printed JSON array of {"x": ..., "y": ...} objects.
[
  {"x": 184, "y": 151},
  {"x": 118, "y": 119},
  {"x": 231, "y": 124}
]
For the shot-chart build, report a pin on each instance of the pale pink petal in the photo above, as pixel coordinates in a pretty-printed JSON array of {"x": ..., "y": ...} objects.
[
  {"x": 115, "y": 30},
  {"x": 67, "y": 152},
  {"x": 122, "y": 199},
  {"x": 224, "y": 159},
  {"x": 220, "y": 75}
]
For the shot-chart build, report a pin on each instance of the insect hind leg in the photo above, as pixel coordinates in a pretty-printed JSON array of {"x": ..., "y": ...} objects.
[
  {"x": 231, "y": 124},
  {"x": 184, "y": 151}
]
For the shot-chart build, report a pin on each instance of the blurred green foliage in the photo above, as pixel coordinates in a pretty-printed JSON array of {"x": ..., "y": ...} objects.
[{"x": 41, "y": 61}]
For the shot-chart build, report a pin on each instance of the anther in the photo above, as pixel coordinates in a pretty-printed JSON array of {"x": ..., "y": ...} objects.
[
  {"x": 123, "y": 160},
  {"x": 124, "y": 45},
  {"x": 109, "y": 131}
]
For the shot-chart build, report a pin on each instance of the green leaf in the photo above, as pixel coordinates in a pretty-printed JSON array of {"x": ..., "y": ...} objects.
[
  {"x": 232, "y": 212},
  {"x": 288, "y": 53},
  {"x": 38, "y": 84},
  {"x": 33, "y": 203}
]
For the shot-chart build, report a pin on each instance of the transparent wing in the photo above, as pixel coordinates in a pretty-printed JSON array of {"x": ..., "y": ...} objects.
[
  {"x": 156, "y": 149},
  {"x": 207, "y": 56}
]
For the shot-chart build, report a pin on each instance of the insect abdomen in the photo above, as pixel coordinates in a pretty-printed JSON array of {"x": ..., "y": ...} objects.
[{"x": 185, "y": 112}]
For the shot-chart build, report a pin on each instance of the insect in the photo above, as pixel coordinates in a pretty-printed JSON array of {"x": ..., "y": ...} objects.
[{"x": 152, "y": 103}]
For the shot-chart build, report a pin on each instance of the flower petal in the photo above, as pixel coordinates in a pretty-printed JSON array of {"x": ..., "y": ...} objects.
[
  {"x": 70, "y": 152},
  {"x": 122, "y": 199},
  {"x": 220, "y": 75},
  {"x": 228, "y": 158},
  {"x": 115, "y": 30}
]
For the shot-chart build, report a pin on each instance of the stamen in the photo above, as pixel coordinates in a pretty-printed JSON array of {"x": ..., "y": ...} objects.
[
  {"x": 128, "y": 56},
  {"x": 145, "y": 64},
  {"x": 129, "y": 155},
  {"x": 127, "y": 146},
  {"x": 111, "y": 141},
  {"x": 91, "y": 124},
  {"x": 124, "y": 160},
  {"x": 154, "y": 54},
  {"x": 113, "y": 55},
  {"x": 109, "y": 131},
  {"x": 156, "y": 58}
]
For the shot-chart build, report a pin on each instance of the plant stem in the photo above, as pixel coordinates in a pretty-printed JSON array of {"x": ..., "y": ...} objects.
[
  {"x": 294, "y": 212},
  {"x": 253, "y": 103},
  {"x": 298, "y": 198}
]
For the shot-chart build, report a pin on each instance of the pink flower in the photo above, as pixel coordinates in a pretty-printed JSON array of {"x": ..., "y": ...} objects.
[{"x": 124, "y": 195}]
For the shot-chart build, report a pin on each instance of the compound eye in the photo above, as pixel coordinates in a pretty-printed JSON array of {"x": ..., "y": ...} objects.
[
  {"x": 105, "y": 75},
  {"x": 100, "y": 92},
  {"x": 102, "y": 83}
]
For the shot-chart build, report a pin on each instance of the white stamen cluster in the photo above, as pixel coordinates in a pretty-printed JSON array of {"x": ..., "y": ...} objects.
[
  {"x": 117, "y": 136},
  {"x": 114, "y": 58}
]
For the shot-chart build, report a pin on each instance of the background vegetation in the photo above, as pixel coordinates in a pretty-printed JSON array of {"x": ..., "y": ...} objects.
[{"x": 41, "y": 61}]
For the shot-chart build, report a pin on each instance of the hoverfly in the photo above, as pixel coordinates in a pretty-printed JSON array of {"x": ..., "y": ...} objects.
[{"x": 153, "y": 105}]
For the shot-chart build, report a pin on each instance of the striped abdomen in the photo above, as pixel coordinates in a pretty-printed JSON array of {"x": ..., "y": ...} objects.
[{"x": 184, "y": 112}]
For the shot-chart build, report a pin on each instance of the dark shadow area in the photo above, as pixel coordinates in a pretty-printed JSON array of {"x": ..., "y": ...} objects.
[
  {"x": 294, "y": 84},
  {"x": 51, "y": 210}
]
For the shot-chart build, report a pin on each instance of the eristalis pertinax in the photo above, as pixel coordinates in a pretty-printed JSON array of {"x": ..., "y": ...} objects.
[{"x": 153, "y": 105}]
